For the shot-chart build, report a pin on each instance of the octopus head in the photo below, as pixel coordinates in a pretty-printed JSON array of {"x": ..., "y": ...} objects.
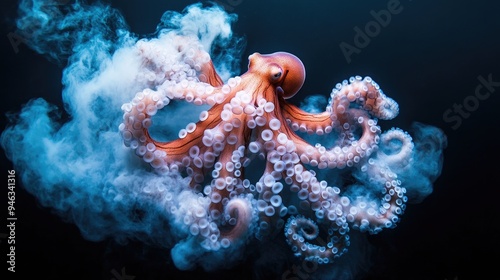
[{"x": 283, "y": 70}]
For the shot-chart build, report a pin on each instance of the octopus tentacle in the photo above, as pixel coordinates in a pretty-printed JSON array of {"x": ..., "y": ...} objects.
[
  {"x": 325, "y": 201},
  {"x": 239, "y": 215},
  {"x": 138, "y": 118},
  {"x": 283, "y": 162},
  {"x": 300, "y": 120},
  {"x": 367, "y": 215},
  {"x": 270, "y": 203},
  {"x": 183, "y": 71},
  {"x": 198, "y": 92},
  {"x": 373, "y": 217},
  {"x": 195, "y": 56},
  {"x": 341, "y": 156},
  {"x": 396, "y": 148},
  {"x": 300, "y": 229},
  {"x": 365, "y": 94}
]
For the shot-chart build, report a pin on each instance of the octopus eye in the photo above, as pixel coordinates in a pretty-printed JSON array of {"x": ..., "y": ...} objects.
[{"x": 276, "y": 73}]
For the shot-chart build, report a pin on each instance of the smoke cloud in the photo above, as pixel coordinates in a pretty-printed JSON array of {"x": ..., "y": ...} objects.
[{"x": 74, "y": 161}]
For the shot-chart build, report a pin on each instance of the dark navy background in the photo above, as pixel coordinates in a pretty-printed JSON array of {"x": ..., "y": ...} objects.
[{"x": 428, "y": 58}]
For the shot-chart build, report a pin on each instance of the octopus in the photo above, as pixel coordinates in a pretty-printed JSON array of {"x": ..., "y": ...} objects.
[{"x": 249, "y": 120}]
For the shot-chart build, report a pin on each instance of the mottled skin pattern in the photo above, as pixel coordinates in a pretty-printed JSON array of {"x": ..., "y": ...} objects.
[{"x": 250, "y": 118}]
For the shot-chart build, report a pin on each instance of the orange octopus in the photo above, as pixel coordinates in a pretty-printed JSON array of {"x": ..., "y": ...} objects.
[{"x": 249, "y": 118}]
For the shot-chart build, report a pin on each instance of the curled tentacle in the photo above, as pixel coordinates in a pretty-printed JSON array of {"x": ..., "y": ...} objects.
[
  {"x": 365, "y": 94},
  {"x": 372, "y": 215},
  {"x": 238, "y": 214},
  {"x": 396, "y": 148},
  {"x": 349, "y": 108},
  {"x": 362, "y": 93},
  {"x": 300, "y": 229},
  {"x": 382, "y": 211}
]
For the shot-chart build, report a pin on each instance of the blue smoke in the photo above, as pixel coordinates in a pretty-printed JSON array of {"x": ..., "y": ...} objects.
[
  {"x": 314, "y": 104},
  {"x": 427, "y": 160},
  {"x": 74, "y": 161}
]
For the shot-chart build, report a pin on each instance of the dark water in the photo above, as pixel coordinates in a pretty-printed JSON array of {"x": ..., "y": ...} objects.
[{"x": 439, "y": 61}]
